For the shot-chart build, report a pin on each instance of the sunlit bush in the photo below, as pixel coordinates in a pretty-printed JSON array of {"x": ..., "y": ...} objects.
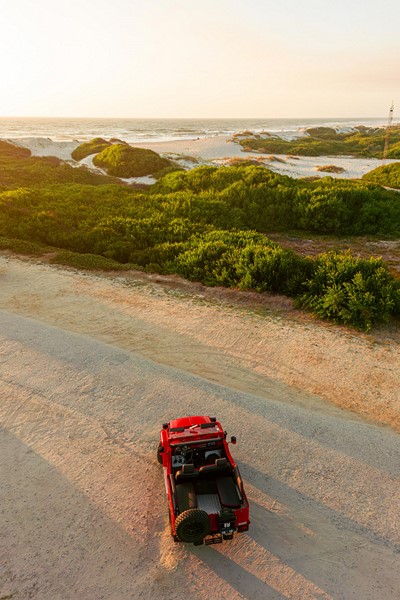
[
  {"x": 121, "y": 160},
  {"x": 350, "y": 290},
  {"x": 386, "y": 175},
  {"x": 87, "y": 148}
]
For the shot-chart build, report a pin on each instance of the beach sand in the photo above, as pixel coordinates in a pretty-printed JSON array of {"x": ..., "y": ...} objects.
[
  {"x": 91, "y": 365},
  {"x": 220, "y": 149}
]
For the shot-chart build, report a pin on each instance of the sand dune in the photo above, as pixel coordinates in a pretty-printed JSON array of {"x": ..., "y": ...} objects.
[{"x": 218, "y": 150}]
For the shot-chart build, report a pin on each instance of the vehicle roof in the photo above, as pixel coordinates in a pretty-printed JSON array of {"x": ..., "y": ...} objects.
[
  {"x": 189, "y": 421},
  {"x": 193, "y": 427}
]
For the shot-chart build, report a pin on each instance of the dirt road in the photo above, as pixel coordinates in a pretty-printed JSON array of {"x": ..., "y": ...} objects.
[{"x": 90, "y": 367}]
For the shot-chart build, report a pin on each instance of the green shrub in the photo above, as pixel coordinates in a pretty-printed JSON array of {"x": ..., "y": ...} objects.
[
  {"x": 246, "y": 260},
  {"x": 171, "y": 169},
  {"x": 273, "y": 269},
  {"x": 330, "y": 169},
  {"x": 213, "y": 257},
  {"x": 386, "y": 175},
  {"x": 322, "y": 132},
  {"x": 121, "y": 160},
  {"x": 346, "y": 207},
  {"x": 394, "y": 150},
  {"x": 87, "y": 148},
  {"x": 351, "y": 290}
]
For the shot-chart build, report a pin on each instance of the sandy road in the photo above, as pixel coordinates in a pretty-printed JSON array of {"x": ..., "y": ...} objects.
[{"x": 83, "y": 513}]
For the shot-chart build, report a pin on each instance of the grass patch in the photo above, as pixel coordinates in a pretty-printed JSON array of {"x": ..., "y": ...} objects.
[
  {"x": 386, "y": 175},
  {"x": 88, "y": 261},
  {"x": 23, "y": 246},
  {"x": 12, "y": 151},
  {"x": 330, "y": 169}
]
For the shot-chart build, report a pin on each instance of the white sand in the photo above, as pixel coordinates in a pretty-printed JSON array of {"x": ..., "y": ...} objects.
[
  {"x": 84, "y": 387},
  {"x": 47, "y": 147},
  {"x": 146, "y": 180},
  {"x": 205, "y": 148},
  {"x": 220, "y": 149}
]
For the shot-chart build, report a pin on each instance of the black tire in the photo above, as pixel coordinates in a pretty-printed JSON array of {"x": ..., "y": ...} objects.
[
  {"x": 159, "y": 453},
  {"x": 192, "y": 525}
]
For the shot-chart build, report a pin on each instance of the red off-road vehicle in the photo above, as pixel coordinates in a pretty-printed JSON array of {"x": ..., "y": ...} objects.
[{"x": 207, "y": 501}]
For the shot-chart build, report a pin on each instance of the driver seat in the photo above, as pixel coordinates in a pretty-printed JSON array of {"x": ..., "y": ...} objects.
[{"x": 186, "y": 473}]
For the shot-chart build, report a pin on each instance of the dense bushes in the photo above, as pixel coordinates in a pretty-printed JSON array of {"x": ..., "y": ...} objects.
[
  {"x": 246, "y": 260},
  {"x": 209, "y": 225},
  {"x": 351, "y": 290},
  {"x": 122, "y": 160},
  {"x": 242, "y": 197},
  {"x": 335, "y": 286},
  {"x": 347, "y": 208},
  {"x": 237, "y": 197},
  {"x": 387, "y": 175},
  {"x": 255, "y": 198}
]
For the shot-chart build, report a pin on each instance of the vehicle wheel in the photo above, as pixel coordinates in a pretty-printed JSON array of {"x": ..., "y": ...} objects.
[
  {"x": 159, "y": 453},
  {"x": 192, "y": 525}
]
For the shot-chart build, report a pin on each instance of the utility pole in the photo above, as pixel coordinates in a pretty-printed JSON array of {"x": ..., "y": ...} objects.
[{"x": 388, "y": 126}]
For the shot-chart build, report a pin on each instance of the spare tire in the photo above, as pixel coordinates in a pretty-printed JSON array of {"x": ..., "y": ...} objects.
[{"x": 192, "y": 525}]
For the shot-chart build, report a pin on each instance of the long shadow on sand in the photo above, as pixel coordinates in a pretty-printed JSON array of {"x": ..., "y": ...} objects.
[
  {"x": 304, "y": 533},
  {"x": 239, "y": 578},
  {"x": 57, "y": 543},
  {"x": 124, "y": 369},
  {"x": 302, "y": 549},
  {"x": 317, "y": 510}
]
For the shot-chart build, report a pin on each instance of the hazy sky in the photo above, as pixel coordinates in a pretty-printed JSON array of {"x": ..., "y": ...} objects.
[{"x": 199, "y": 58}]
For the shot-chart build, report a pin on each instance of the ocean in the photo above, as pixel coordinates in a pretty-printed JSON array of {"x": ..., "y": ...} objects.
[{"x": 160, "y": 130}]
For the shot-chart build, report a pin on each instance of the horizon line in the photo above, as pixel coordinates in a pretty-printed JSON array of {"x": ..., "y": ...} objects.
[{"x": 326, "y": 118}]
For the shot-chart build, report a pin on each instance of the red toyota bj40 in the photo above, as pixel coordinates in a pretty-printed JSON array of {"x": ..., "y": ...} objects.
[{"x": 207, "y": 501}]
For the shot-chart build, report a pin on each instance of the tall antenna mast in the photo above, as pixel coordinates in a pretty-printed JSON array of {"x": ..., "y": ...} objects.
[{"x": 388, "y": 126}]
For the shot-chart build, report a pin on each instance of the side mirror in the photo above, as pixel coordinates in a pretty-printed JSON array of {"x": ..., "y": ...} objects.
[{"x": 233, "y": 439}]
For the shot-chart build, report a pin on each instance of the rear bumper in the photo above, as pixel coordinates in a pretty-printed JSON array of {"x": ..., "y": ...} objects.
[{"x": 215, "y": 538}]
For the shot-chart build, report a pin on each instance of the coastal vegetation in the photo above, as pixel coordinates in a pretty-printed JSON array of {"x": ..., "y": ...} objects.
[
  {"x": 122, "y": 160},
  {"x": 87, "y": 148},
  {"x": 330, "y": 169},
  {"x": 326, "y": 141},
  {"x": 212, "y": 225},
  {"x": 119, "y": 159},
  {"x": 386, "y": 175},
  {"x": 18, "y": 168}
]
